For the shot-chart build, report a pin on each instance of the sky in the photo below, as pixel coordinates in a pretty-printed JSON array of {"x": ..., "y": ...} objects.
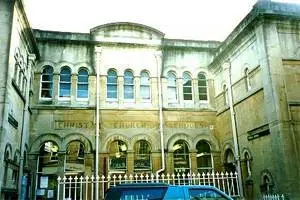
[{"x": 177, "y": 19}]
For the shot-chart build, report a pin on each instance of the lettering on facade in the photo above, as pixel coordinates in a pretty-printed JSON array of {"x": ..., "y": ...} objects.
[
  {"x": 191, "y": 125},
  {"x": 70, "y": 124},
  {"x": 127, "y": 124}
]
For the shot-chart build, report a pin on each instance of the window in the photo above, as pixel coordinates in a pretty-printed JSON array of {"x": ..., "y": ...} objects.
[
  {"x": 142, "y": 158},
  {"x": 187, "y": 87},
  {"x": 247, "y": 80},
  {"x": 172, "y": 89},
  {"x": 47, "y": 82},
  {"x": 181, "y": 157},
  {"x": 118, "y": 155},
  {"x": 75, "y": 153},
  {"x": 229, "y": 163},
  {"x": 128, "y": 85},
  {"x": 83, "y": 84},
  {"x": 225, "y": 93},
  {"x": 202, "y": 87},
  {"x": 112, "y": 85},
  {"x": 199, "y": 193},
  {"x": 204, "y": 157},
  {"x": 145, "y": 86},
  {"x": 65, "y": 82}
]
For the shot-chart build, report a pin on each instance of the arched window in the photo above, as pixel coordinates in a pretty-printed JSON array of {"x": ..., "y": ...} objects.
[
  {"x": 145, "y": 86},
  {"x": 65, "y": 82},
  {"x": 202, "y": 87},
  {"x": 47, "y": 82},
  {"x": 47, "y": 166},
  {"x": 247, "y": 80},
  {"x": 181, "y": 157},
  {"x": 117, "y": 156},
  {"x": 6, "y": 168},
  {"x": 83, "y": 84},
  {"x": 225, "y": 93},
  {"x": 248, "y": 164},
  {"x": 75, "y": 153},
  {"x": 172, "y": 87},
  {"x": 112, "y": 84},
  {"x": 142, "y": 156},
  {"x": 128, "y": 85},
  {"x": 229, "y": 163},
  {"x": 204, "y": 157},
  {"x": 187, "y": 87}
]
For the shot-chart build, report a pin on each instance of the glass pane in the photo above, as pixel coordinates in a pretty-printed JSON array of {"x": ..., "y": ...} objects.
[
  {"x": 172, "y": 94},
  {"x": 145, "y": 80},
  {"x": 46, "y": 85},
  {"x": 83, "y": 72},
  {"x": 187, "y": 97},
  {"x": 82, "y": 94},
  {"x": 128, "y": 78},
  {"x": 201, "y": 76},
  {"x": 187, "y": 90},
  {"x": 203, "y": 97},
  {"x": 46, "y": 93},
  {"x": 48, "y": 70},
  {"x": 145, "y": 92},
  {"x": 204, "y": 193},
  {"x": 201, "y": 83},
  {"x": 82, "y": 87},
  {"x": 65, "y": 86},
  {"x": 83, "y": 79},
  {"x": 112, "y": 94},
  {"x": 202, "y": 90},
  {"x": 112, "y": 79},
  {"x": 46, "y": 77},
  {"x": 128, "y": 92}
]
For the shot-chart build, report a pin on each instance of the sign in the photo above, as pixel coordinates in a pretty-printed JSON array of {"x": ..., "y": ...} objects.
[{"x": 44, "y": 182}]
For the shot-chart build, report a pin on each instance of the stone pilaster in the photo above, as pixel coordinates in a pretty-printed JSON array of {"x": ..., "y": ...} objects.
[
  {"x": 193, "y": 158},
  {"x": 55, "y": 88},
  {"x": 130, "y": 162},
  {"x": 74, "y": 79},
  {"x": 195, "y": 91},
  {"x": 137, "y": 90},
  {"x": 121, "y": 90}
]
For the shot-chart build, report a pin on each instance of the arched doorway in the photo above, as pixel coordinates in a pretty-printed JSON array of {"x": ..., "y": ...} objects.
[
  {"x": 181, "y": 157},
  {"x": 47, "y": 171}
]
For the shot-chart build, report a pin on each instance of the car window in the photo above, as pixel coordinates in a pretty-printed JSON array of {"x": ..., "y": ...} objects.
[
  {"x": 206, "y": 194},
  {"x": 155, "y": 193}
]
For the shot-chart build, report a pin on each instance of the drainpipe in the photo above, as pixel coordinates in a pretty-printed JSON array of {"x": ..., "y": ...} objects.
[
  {"x": 24, "y": 134},
  {"x": 158, "y": 57},
  {"x": 234, "y": 129},
  {"x": 98, "y": 52}
]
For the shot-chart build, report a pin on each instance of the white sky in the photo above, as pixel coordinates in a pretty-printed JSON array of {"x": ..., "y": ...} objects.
[{"x": 178, "y": 19}]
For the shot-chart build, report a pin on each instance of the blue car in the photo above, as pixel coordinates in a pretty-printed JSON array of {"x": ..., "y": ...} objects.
[{"x": 157, "y": 191}]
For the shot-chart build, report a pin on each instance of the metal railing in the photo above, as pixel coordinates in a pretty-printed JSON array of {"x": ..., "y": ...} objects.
[
  {"x": 273, "y": 197},
  {"x": 83, "y": 188}
]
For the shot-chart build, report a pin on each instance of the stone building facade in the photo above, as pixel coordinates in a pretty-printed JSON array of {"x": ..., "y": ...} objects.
[{"x": 125, "y": 99}]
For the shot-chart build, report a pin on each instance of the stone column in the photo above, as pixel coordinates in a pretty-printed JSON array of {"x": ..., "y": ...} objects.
[
  {"x": 193, "y": 158},
  {"x": 130, "y": 162},
  {"x": 61, "y": 156},
  {"x": 55, "y": 86},
  {"x": 74, "y": 80},
  {"x": 137, "y": 90},
  {"x": 121, "y": 90},
  {"x": 180, "y": 92},
  {"x": 170, "y": 162},
  {"x": 195, "y": 91}
]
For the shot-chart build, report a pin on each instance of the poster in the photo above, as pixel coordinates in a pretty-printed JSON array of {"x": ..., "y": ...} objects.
[
  {"x": 50, "y": 194},
  {"x": 43, "y": 181}
]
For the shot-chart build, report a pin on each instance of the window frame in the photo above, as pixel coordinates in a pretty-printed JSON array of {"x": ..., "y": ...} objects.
[
  {"x": 82, "y": 83},
  {"x": 111, "y": 84},
  {"x": 208, "y": 155},
  {"x": 147, "y": 85},
  {"x": 202, "y": 86},
  {"x": 49, "y": 82},
  {"x": 186, "y": 77},
  {"x": 137, "y": 154},
  {"x": 171, "y": 76},
  {"x": 65, "y": 82},
  {"x": 131, "y": 84}
]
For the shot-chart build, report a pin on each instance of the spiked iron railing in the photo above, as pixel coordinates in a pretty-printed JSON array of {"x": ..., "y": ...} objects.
[{"x": 83, "y": 188}]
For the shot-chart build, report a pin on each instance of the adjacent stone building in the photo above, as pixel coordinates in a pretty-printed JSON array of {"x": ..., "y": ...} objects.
[{"x": 125, "y": 99}]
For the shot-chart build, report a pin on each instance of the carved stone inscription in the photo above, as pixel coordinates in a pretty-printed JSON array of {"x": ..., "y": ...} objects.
[
  {"x": 180, "y": 124},
  {"x": 128, "y": 124},
  {"x": 70, "y": 124}
]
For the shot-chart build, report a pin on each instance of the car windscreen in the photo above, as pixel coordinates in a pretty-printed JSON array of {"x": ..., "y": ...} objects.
[
  {"x": 196, "y": 194},
  {"x": 138, "y": 193}
]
